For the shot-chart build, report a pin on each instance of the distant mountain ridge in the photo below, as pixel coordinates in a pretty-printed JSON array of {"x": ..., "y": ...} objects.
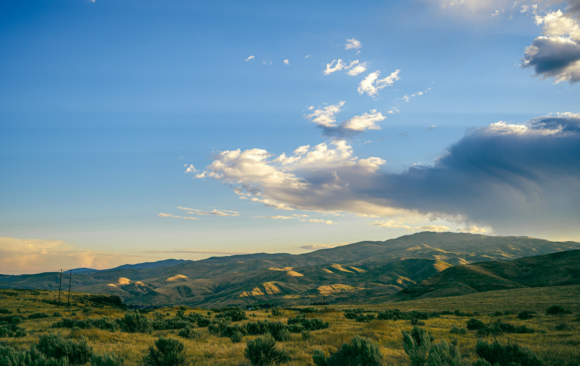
[
  {"x": 162, "y": 263},
  {"x": 349, "y": 273}
]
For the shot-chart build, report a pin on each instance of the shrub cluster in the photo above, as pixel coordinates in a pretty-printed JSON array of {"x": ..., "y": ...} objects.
[
  {"x": 509, "y": 355},
  {"x": 166, "y": 352},
  {"x": 135, "y": 322},
  {"x": 352, "y": 314},
  {"x": 525, "y": 315},
  {"x": 262, "y": 351},
  {"x": 187, "y": 332},
  {"x": 360, "y": 351},
  {"x": 236, "y": 314},
  {"x": 101, "y": 323},
  {"x": 557, "y": 310},
  {"x": 418, "y": 344},
  {"x": 396, "y": 314},
  {"x": 11, "y": 329},
  {"x": 32, "y": 357},
  {"x": 5, "y": 311},
  {"x": 499, "y": 327},
  {"x": 308, "y": 324},
  {"x": 57, "y": 347}
]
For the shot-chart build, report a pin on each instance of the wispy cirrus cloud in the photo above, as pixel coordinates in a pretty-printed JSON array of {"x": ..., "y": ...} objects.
[
  {"x": 250, "y": 58},
  {"x": 214, "y": 212},
  {"x": 176, "y": 216}
]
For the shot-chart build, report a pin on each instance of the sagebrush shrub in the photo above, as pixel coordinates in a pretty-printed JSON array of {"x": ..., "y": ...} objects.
[
  {"x": 276, "y": 311},
  {"x": 360, "y": 351},
  {"x": 444, "y": 354},
  {"x": 203, "y": 322},
  {"x": 525, "y": 315},
  {"x": 187, "y": 333},
  {"x": 509, "y": 355},
  {"x": 107, "y": 359},
  {"x": 236, "y": 337},
  {"x": 562, "y": 326},
  {"x": 135, "y": 322},
  {"x": 475, "y": 324},
  {"x": 557, "y": 310},
  {"x": 417, "y": 344},
  {"x": 56, "y": 346},
  {"x": 235, "y": 314},
  {"x": 33, "y": 357},
  {"x": 262, "y": 351},
  {"x": 166, "y": 352}
]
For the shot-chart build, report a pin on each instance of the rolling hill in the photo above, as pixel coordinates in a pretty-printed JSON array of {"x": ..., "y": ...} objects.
[
  {"x": 349, "y": 273},
  {"x": 555, "y": 269}
]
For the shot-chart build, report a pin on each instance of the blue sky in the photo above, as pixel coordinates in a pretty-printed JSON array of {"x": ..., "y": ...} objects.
[{"x": 104, "y": 105}]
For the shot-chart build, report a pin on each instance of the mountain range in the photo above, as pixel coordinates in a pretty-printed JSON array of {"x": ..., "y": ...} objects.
[{"x": 412, "y": 266}]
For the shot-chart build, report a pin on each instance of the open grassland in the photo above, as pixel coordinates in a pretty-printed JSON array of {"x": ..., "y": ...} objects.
[{"x": 555, "y": 343}]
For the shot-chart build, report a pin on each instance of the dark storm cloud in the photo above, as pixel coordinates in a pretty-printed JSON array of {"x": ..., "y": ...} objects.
[{"x": 554, "y": 57}]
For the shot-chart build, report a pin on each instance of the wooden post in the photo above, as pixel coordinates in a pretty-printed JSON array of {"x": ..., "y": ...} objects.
[
  {"x": 69, "y": 281},
  {"x": 59, "y": 286}
]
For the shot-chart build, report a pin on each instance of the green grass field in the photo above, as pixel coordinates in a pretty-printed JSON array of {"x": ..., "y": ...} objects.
[{"x": 555, "y": 347}]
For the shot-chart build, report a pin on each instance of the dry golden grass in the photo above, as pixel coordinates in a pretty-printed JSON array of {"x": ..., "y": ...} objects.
[{"x": 555, "y": 347}]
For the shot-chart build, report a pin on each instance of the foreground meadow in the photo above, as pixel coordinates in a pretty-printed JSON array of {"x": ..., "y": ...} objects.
[{"x": 212, "y": 340}]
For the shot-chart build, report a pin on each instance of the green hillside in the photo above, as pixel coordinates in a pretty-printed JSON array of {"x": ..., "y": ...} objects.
[{"x": 555, "y": 269}]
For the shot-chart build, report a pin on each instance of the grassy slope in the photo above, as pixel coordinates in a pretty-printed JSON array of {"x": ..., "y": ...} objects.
[
  {"x": 555, "y": 347},
  {"x": 547, "y": 270}
]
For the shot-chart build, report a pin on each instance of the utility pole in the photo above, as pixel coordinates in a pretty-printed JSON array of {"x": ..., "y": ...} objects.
[
  {"x": 69, "y": 281},
  {"x": 59, "y": 286}
]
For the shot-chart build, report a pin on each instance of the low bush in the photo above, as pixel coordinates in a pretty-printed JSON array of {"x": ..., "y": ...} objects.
[
  {"x": 497, "y": 313},
  {"x": 57, "y": 315},
  {"x": 525, "y": 315},
  {"x": 135, "y": 322},
  {"x": 203, "y": 322},
  {"x": 417, "y": 344},
  {"x": 360, "y": 351},
  {"x": 365, "y": 318},
  {"x": 107, "y": 359},
  {"x": 557, "y": 310},
  {"x": 187, "y": 332},
  {"x": 236, "y": 337},
  {"x": 396, "y": 314},
  {"x": 352, "y": 314},
  {"x": 279, "y": 331},
  {"x": 306, "y": 335},
  {"x": 56, "y": 346},
  {"x": 456, "y": 330},
  {"x": 258, "y": 328},
  {"x": 172, "y": 323},
  {"x": 499, "y": 327},
  {"x": 12, "y": 331},
  {"x": 475, "y": 324},
  {"x": 308, "y": 310},
  {"x": 276, "y": 311},
  {"x": 235, "y": 314},
  {"x": 416, "y": 321},
  {"x": 509, "y": 355},
  {"x": 562, "y": 326},
  {"x": 11, "y": 357},
  {"x": 308, "y": 324},
  {"x": 166, "y": 352},
  {"x": 5, "y": 311},
  {"x": 100, "y": 323},
  {"x": 262, "y": 351}
]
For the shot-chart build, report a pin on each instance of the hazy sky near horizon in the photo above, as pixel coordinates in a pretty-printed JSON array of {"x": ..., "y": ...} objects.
[{"x": 134, "y": 131}]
